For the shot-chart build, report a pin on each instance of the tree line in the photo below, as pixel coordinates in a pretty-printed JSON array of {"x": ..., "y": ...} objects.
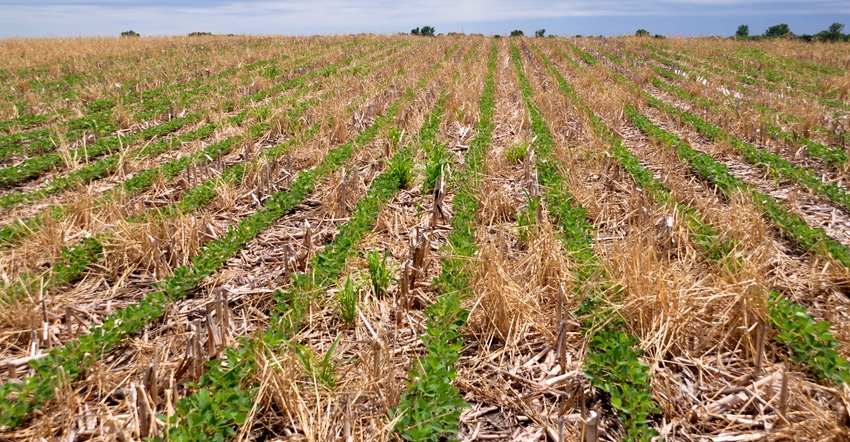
[{"x": 782, "y": 30}]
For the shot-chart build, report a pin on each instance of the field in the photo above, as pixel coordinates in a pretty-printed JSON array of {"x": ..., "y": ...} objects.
[{"x": 410, "y": 238}]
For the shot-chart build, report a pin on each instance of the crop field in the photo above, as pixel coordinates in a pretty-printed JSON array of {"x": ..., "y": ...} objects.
[{"x": 393, "y": 238}]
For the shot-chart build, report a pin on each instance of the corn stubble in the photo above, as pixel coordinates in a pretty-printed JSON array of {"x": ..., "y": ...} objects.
[
  {"x": 714, "y": 313},
  {"x": 703, "y": 326}
]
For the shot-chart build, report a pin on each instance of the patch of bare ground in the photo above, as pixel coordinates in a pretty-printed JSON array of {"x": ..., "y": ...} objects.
[
  {"x": 235, "y": 301},
  {"x": 702, "y": 325}
]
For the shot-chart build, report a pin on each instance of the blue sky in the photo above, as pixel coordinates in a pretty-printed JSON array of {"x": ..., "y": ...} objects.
[{"x": 34, "y": 18}]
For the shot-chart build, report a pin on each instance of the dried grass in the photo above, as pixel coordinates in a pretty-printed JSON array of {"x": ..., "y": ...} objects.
[{"x": 714, "y": 370}]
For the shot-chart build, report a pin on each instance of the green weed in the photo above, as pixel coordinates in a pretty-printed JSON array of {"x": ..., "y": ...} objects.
[
  {"x": 323, "y": 372},
  {"x": 348, "y": 297},
  {"x": 262, "y": 113},
  {"x": 380, "y": 273},
  {"x": 436, "y": 160},
  {"x": 516, "y": 153},
  {"x": 401, "y": 167},
  {"x": 526, "y": 218}
]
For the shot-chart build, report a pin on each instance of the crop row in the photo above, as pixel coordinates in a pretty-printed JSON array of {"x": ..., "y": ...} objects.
[
  {"x": 810, "y": 238},
  {"x": 169, "y": 169},
  {"x": 204, "y": 191},
  {"x": 431, "y": 405},
  {"x": 704, "y": 234},
  {"x": 33, "y": 167},
  {"x": 833, "y": 156},
  {"x": 675, "y": 71},
  {"x": 772, "y": 162},
  {"x": 819, "y": 341},
  {"x": 810, "y": 340},
  {"x": 611, "y": 363},
  {"x": 99, "y": 116},
  {"x": 772, "y": 79},
  {"x": 75, "y": 259},
  {"x": 68, "y": 361},
  {"x": 71, "y": 84},
  {"x": 678, "y": 72},
  {"x": 223, "y": 399}
]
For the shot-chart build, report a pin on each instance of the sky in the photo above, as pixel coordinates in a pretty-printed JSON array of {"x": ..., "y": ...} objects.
[{"x": 70, "y": 18}]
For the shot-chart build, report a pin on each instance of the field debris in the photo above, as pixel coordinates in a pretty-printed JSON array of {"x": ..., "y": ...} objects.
[{"x": 401, "y": 238}]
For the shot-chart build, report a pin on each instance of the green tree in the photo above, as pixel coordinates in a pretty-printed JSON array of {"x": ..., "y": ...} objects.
[
  {"x": 642, "y": 33},
  {"x": 834, "y": 32},
  {"x": 517, "y": 33},
  {"x": 129, "y": 34},
  {"x": 539, "y": 33},
  {"x": 743, "y": 31},
  {"x": 426, "y": 31},
  {"x": 780, "y": 30}
]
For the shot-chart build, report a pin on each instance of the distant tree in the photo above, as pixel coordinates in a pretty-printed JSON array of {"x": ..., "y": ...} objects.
[
  {"x": 780, "y": 30},
  {"x": 642, "y": 33},
  {"x": 427, "y": 31},
  {"x": 743, "y": 31},
  {"x": 833, "y": 33},
  {"x": 414, "y": 31},
  {"x": 129, "y": 34},
  {"x": 539, "y": 33},
  {"x": 517, "y": 33},
  {"x": 659, "y": 36},
  {"x": 199, "y": 34},
  {"x": 497, "y": 36}
]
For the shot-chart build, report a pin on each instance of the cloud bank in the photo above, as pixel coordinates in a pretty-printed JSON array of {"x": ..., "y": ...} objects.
[{"x": 25, "y": 18}]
